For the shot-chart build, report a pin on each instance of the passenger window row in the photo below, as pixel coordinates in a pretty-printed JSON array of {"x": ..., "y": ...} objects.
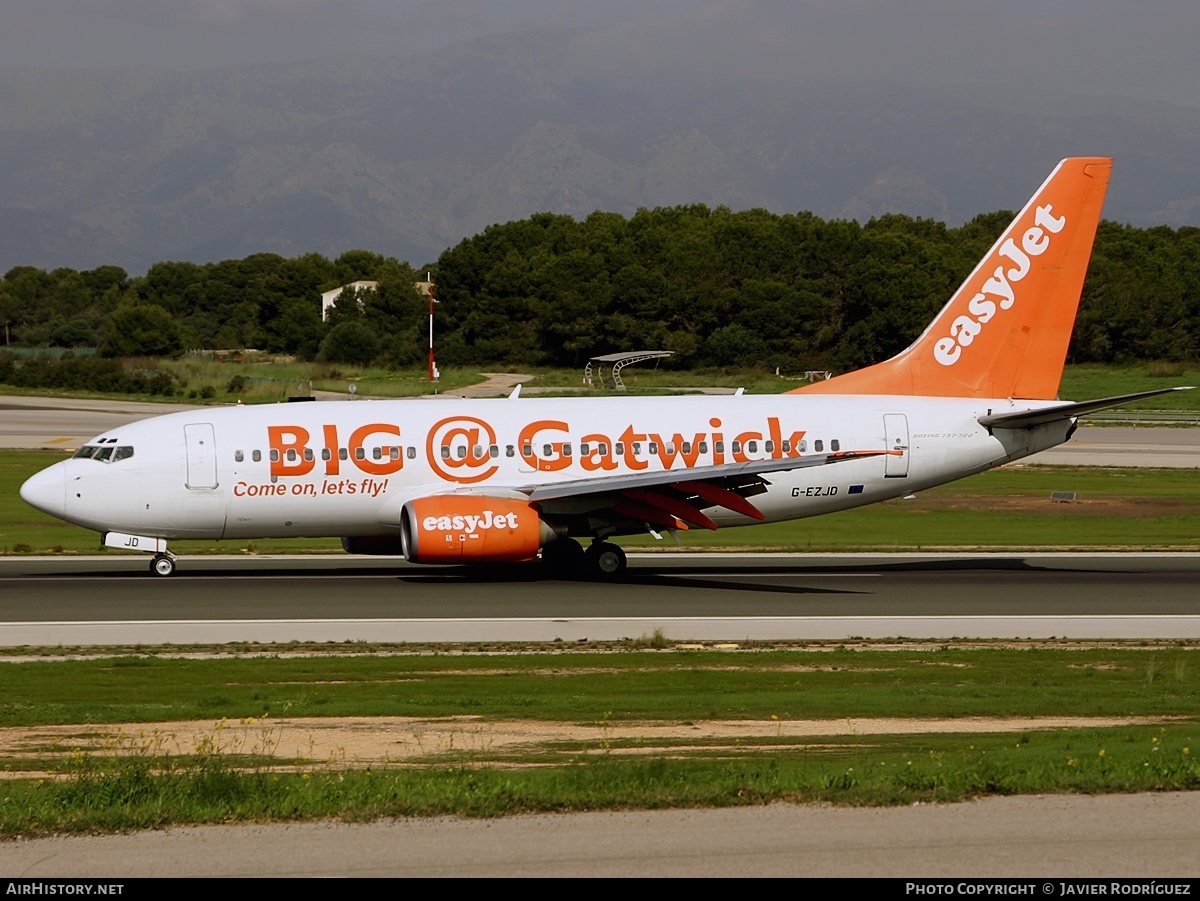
[
  {"x": 360, "y": 453},
  {"x": 479, "y": 451}
]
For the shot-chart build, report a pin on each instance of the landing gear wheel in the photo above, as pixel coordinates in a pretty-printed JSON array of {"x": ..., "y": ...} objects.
[
  {"x": 162, "y": 565},
  {"x": 564, "y": 557},
  {"x": 605, "y": 561}
]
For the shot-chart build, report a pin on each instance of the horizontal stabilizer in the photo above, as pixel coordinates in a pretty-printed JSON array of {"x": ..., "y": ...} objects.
[{"x": 1027, "y": 419}]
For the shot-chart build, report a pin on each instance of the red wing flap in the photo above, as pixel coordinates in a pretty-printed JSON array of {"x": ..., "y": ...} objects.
[
  {"x": 638, "y": 510},
  {"x": 673, "y": 505},
  {"x": 838, "y": 456},
  {"x": 722, "y": 497}
]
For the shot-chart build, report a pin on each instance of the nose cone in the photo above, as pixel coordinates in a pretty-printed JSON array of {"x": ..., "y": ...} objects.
[{"x": 47, "y": 491}]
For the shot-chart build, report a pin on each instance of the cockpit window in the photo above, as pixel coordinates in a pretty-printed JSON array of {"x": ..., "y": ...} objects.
[{"x": 107, "y": 454}]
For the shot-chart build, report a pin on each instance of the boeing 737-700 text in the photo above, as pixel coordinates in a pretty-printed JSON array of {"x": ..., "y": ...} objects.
[{"x": 479, "y": 481}]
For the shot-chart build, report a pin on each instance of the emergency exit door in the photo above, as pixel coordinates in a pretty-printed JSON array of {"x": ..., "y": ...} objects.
[
  {"x": 201, "y": 455},
  {"x": 895, "y": 430}
]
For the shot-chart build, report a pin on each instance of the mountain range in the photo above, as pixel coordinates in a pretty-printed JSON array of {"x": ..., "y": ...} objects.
[{"x": 406, "y": 156}]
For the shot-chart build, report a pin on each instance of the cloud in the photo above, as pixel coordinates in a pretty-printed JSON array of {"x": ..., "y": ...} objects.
[
  {"x": 186, "y": 34},
  {"x": 1098, "y": 47}
]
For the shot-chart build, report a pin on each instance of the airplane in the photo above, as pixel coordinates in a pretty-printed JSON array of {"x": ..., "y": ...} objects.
[{"x": 457, "y": 481}]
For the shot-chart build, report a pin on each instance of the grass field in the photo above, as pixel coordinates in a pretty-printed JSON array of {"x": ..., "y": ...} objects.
[
  {"x": 171, "y": 740},
  {"x": 622, "y": 683}
]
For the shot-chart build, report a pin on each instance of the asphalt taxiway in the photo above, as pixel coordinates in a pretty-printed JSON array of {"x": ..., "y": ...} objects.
[
  {"x": 1151, "y": 836},
  {"x": 690, "y": 597}
]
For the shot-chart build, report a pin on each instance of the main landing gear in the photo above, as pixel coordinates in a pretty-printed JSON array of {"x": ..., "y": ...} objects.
[
  {"x": 605, "y": 560},
  {"x": 565, "y": 558}
]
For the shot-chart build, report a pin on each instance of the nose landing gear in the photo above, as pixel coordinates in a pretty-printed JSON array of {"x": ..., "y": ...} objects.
[{"x": 163, "y": 565}]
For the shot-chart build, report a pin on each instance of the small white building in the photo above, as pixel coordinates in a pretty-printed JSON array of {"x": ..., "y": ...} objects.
[{"x": 329, "y": 298}]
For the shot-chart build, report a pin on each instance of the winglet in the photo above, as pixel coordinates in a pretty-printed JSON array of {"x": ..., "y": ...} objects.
[{"x": 1005, "y": 331}]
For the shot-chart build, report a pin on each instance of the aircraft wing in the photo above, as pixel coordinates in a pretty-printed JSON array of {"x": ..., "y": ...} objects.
[
  {"x": 1027, "y": 419},
  {"x": 674, "y": 498}
]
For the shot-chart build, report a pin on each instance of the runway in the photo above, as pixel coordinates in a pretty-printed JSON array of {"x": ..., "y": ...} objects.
[
  {"x": 690, "y": 597},
  {"x": 1127, "y": 446},
  {"x": 63, "y": 423}
]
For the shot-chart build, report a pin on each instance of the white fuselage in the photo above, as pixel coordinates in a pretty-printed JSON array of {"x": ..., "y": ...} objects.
[{"x": 346, "y": 469}]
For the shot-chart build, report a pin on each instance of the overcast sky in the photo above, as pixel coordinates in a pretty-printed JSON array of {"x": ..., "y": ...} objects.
[{"x": 1143, "y": 49}]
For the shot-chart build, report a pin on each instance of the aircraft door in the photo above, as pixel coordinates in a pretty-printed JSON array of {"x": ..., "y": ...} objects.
[
  {"x": 895, "y": 430},
  {"x": 201, "y": 455}
]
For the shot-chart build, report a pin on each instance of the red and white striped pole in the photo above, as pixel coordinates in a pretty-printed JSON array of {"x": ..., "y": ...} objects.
[{"x": 432, "y": 301}]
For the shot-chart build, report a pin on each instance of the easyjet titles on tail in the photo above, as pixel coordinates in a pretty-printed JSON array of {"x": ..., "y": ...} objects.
[{"x": 1000, "y": 286}]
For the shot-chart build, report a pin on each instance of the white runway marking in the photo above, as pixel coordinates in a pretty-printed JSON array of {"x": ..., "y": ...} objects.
[{"x": 783, "y": 575}]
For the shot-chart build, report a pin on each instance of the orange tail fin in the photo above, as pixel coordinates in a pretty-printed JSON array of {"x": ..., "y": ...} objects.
[{"x": 1005, "y": 331}]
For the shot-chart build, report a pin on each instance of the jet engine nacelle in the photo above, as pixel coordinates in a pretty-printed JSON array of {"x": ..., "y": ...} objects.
[{"x": 471, "y": 529}]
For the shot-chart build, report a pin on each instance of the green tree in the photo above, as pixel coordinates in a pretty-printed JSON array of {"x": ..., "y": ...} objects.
[
  {"x": 10, "y": 309},
  {"x": 351, "y": 342},
  {"x": 734, "y": 345},
  {"x": 141, "y": 329}
]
